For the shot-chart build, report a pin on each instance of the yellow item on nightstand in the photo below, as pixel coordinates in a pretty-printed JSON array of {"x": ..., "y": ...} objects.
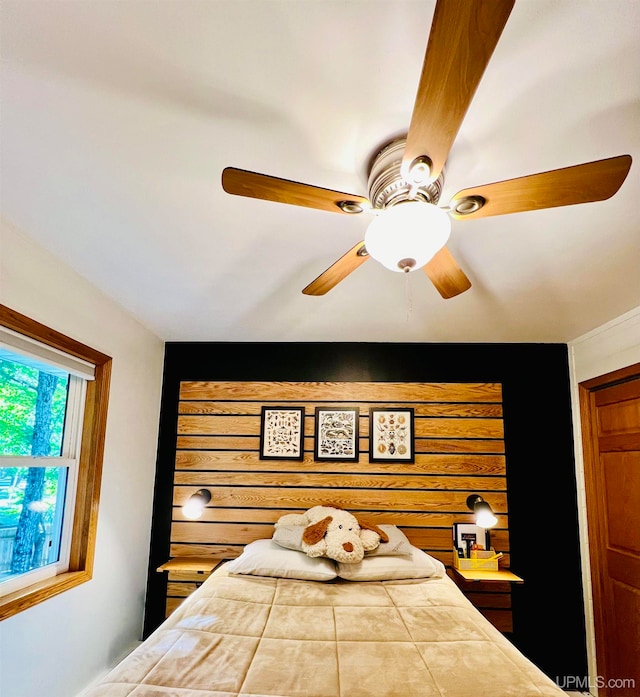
[{"x": 487, "y": 560}]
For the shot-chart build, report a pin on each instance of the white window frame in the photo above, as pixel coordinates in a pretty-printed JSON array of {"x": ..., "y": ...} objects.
[{"x": 81, "y": 452}]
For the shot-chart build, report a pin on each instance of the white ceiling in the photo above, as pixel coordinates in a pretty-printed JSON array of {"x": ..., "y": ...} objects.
[{"x": 118, "y": 118}]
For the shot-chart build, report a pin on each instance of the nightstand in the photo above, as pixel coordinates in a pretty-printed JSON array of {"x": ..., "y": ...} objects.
[
  {"x": 490, "y": 593},
  {"x": 185, "y": 575}
]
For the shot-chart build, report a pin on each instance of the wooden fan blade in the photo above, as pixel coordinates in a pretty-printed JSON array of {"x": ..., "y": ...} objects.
[
  {"x": 338, "y": 271},
  {"x": 464, "y": 34},
  {"x": 445, "y": 274},
  {"x": 592, "y": 181},
  {"x": 241, "y": 182}
]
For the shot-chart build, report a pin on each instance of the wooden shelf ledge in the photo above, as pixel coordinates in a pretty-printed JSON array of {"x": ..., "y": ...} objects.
[
  {"x": 201, "y": 565},
  {"x": 503, "y": 575}
]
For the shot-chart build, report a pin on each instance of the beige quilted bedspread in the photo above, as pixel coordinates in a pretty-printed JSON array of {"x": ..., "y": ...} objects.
[{"x": 246, "y": 635}]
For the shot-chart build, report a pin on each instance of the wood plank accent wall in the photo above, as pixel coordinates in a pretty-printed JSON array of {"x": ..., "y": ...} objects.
[{"x": 459, "y": 449}]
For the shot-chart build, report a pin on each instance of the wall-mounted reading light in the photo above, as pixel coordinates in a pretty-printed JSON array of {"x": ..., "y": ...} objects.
[
  {"x": 193, "y": 508},
  {"x": 482, "y": 511}
]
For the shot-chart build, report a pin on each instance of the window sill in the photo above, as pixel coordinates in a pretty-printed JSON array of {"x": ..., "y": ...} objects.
[{"x": 22, "y": 599}]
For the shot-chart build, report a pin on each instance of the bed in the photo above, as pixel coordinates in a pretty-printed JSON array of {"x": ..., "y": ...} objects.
[{"x": 276, "y": 622}]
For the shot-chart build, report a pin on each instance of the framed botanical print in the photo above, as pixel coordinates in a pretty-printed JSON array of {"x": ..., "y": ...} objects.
[
  {"x": 336, "y": 434},
  {"x": 391, "y": 435},
  {"x": 282, "y": 433}
]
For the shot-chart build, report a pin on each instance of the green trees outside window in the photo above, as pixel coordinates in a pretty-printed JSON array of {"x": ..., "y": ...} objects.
[{"x": 32, "y": 416}]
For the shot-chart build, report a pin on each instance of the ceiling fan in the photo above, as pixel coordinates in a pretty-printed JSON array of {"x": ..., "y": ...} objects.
[{"x": 409, "y": 230}]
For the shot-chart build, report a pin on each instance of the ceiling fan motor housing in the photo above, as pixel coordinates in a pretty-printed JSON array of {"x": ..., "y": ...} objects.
[{"x": 387, "y": 186}]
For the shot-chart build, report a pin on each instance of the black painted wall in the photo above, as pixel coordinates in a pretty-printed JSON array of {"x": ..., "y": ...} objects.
[{"x": 548, "y": 610}]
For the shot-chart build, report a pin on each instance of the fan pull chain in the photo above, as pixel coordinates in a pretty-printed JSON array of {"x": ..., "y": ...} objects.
[{"x": 408, "y": 297}]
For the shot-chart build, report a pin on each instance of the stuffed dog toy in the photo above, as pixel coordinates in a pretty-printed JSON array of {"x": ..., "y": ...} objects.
[{"x": 334, "y": 533}]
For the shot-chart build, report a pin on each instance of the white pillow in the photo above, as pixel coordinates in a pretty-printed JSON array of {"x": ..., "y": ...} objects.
[
  {"x": 266, "y": 558},
  {"x": 398, "y": 544},
  {"x": 418, "y": 565},
  {"x": 289, "y": 536}
]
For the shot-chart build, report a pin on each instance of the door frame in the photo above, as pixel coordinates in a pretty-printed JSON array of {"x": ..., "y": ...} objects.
[{"x": 593, "y": 485}]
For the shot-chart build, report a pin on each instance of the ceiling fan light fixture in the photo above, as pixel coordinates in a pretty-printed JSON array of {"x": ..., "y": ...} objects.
[{"x": 406, "y": 236}]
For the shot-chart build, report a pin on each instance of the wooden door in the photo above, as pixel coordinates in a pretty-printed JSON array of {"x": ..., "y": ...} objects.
[{"x": 610, "y": 413}]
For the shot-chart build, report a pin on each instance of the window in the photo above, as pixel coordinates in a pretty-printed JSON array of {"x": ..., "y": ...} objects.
[{"x": 53, "y": 399}]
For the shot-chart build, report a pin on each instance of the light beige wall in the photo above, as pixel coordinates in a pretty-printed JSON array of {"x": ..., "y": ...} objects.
[{"x": 59, "y": 646}]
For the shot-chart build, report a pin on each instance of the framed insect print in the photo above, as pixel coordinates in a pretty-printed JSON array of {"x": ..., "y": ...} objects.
[
  {"x": 282, "y": 433},
  {"x": 391, "y": 435},
  {"x": 336, "y": 434}
]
